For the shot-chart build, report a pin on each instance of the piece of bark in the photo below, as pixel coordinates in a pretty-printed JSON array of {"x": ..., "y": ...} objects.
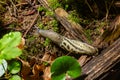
[
  {"x": 103, "y": 62},
  {"x": 110, "y": 34},
  {"x": 82, "y": 60},
  {"x": 74, "y": 28},
  {"x": 45, "y": 4}
]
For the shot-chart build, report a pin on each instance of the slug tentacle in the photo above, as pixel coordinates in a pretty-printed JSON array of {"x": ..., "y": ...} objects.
[{"x": 69, "y": 44}]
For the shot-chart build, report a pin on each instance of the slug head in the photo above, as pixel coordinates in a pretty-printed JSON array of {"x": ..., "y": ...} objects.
[{"x": 51, "y": 35}]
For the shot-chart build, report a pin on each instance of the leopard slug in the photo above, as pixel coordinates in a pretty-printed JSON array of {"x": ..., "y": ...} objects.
[{"x": 70, "y": 45}]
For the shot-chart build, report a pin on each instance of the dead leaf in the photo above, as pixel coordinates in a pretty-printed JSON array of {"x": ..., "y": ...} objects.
[
  {"x": 22, "y": 43},
  {"x": 47, "y": 74},
  {"x": 37, "y": 69},
  {"x": 25, "y": 71}
]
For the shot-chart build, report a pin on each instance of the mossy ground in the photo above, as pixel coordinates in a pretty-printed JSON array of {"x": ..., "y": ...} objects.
[{"x": 91, "y": 16}]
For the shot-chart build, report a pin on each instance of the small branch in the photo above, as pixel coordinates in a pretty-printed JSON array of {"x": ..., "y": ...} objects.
[{"x": 33, "y": 22}]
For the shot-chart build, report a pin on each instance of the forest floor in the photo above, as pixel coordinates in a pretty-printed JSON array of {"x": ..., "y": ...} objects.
[{"x": 25, "y": 15}]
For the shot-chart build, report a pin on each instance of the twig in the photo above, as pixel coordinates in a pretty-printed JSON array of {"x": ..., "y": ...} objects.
[
  {"x": 14, "y": 9},
  {"x": 20, "y": 4},
  {"x": 29, "y": 27},
  {"x": 89, "y": 5}
]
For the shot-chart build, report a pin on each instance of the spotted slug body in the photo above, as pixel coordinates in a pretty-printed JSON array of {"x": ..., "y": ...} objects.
[
  {"x": 73, "y": 46},
  {"x": 78, "y": 47}
]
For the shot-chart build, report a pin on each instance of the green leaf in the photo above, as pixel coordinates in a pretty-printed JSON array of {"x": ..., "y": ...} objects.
[
  {"x": 11, "y": 39},
  {"x": 10, "y": 53},
  {"x": 8, "y": 46},
  {"x": 63, "y": 66},
  {"x": 14, "y": 67},
  {"x": 15, "y": 77},
  {"x": 59, "y": 76}
]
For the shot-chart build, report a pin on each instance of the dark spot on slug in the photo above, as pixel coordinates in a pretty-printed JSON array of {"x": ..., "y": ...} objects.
[
  {"x": 68, "y": 47},
  {"x": 71, "y": 49},
  {"x": 61, "y": 46},
  {"x": 64, "y": 43},
  {"x": 74, "y": 52}
]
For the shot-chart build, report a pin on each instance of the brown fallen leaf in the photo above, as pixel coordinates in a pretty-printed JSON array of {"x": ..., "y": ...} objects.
[
  {"x": 31, "y": 70},
  {"x": 25, "y": 70},
  {"x": 37, "y": 69},
  {"x": 48, "y": 57},
  {"x": 47, "y": 74},
  {"x": 22, "y": 43}
]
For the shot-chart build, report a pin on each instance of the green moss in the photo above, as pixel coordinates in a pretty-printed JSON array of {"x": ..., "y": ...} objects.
[
  {"x": 74, "y": 16},
  {"x": 49, "y": 13},
  {"x": 47, "y": 42},
  {"x": 2, "y": 9},
  {"x": 54, "y": 4},
  {"x": 88, "y": 35},
  {"x": 55, "y": 25},
  {"x": 13, "y": 25},
  {"x": 41, "y": 9},
  {"x": 41, "y": 26},
  {"x": 102, "y": 24}
]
